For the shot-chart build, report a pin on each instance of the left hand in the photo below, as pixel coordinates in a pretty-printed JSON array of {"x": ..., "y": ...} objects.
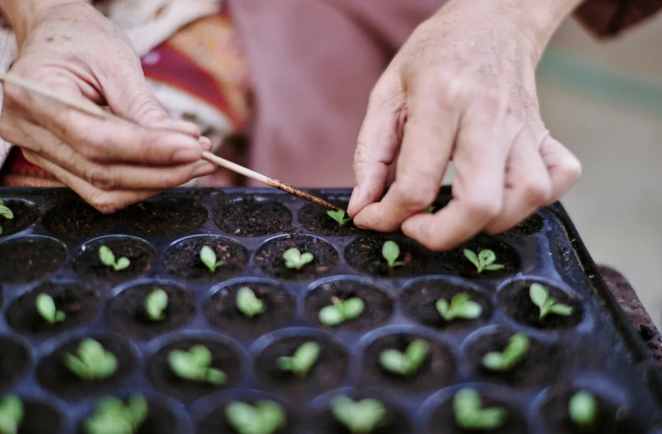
[{"x": 463, "y": 89}]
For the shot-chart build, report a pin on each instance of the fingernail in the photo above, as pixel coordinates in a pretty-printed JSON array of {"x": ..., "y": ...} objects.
[
  {"x": 205, "y": 143},
  {"x": 187, "y": 155},
  {"x": 356, "y": 194},
  {"x": 205, "y": 169}
]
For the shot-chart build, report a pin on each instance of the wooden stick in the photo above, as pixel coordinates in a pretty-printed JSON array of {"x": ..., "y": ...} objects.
[{"x": 97, "y": 111}]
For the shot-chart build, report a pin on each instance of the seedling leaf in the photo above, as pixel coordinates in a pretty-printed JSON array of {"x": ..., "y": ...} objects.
[
  {"x": 461, "y": 306},
  {"x": 341, "y": 311},
  {"x": 195, "y": 365},
  {"x": 46, "y": 308},
  {"x": 156, "y": 303},
  {"x": 295, "y": 259},
  {"x": 266, "y": 417},
  {"x": 391, "y": 252},
  {"x": 469, "y": 414},
  {"x": 248, "y": 303},
  {"x": 112, "y": 416},
  {"x": 92, "y": 361},
  {"x": 6, "y": 212},
  {"x": 339, "y": 216},
  {"x": 430, "y": 209},
  {"x": 108, "y": 259},
  {"x": 302, "y": 360},
  {"x": 208, "y": 257},
  {"x": 583, "y": 408},
  {"x": 515, "y": 351},
  {"x": 360, "y": 417},
  {"x": 484, "y": 261},
  {"x": 11, "y": 414},
  {"x": 408, "y": 362},
  {"x": 540, "y": 297}
]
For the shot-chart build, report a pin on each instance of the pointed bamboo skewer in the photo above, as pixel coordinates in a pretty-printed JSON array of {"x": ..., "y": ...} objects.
[{"x": 99, "y": 112}]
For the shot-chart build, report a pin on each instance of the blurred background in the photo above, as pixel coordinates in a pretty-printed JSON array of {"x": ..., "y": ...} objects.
[{"x": 603, "y": 99}]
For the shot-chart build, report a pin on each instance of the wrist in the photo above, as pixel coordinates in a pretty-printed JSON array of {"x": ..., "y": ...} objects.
[{"x": 25, "y": 14}]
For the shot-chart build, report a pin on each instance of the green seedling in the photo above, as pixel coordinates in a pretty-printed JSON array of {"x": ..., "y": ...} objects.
[
  {"x": 302, "y": 360},
  {"x": 208, "y": 257},
  {"x": 195, "y": 365},
  {"x": 248, "y": 303},
  {"x": 461, "y": 306},
  {"x": 391, "y": 252},
  {"x": 540, "y": 297},
  {"x": 295, "y": 259},
  {"x": 156, "y": 303},
  {"x": 514, "y": 353},
  {"x": 46, "y": 308},
  {"x": 112, "y": 416},
  {"x": 341, "y": 311},
  {"x": 265, "y": 417},
  {"x": 469, "y": 414},
  {"x": 484, "y": 261},
  {"x": 360, "y": 417},
  {"x": 407, "y": 362},
  {"x": 430, "y": 209},
  {"x": 11, "y": 414},
  {"x": 5, "y": 212},
  {"x": 583, "y": 409},
  {"x": 108, "y": 259},
  {"x": 339, "y": 216},
  {"x": 93, "y": 362}
]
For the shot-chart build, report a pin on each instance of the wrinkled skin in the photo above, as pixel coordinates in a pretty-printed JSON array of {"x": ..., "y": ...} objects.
[
  {"x": 71, "y": 48},
  {"x": 463, "y": 89}
]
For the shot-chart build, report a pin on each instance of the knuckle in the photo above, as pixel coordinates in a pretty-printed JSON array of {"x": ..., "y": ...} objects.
[
  {"x": 485, "y": 207},
  {"x": 413, "y": 195},
  {"x": 537, "y": 192},
  {"x": 100, "y": 178},
  {"x": 572, "y": 168},
  {"x": 104, "y": 203}
]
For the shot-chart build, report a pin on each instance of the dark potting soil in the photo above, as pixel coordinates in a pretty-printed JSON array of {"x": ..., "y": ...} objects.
[
  {"x": 249, "y": 217},
  {"x": 166, "y": 217},
  {"x": 435, "y": 372},
  {"x": 76, "y": 218},
  {"x": 327, "y": 373},
  {"x": 88, "y": 265},
  {"x": 270, "y": 257},
  {"x": 419, "y": 301},
  {"x": 530, "y": 226},
  {"x": 395, "y": 422},
  {"x": 159, "y": 420},
  {"x": 315, "y": 219},
  {"x": 126, "y": 313},
  {"x": 78, "y": 302},
  {"x": 39, "y": 418},
  {"x": 27, "y": 259},
  {"x": 224, "y": 357},
  {"x": 14, "y": 361},
  {"x": 378, "y": 305},
  {"x": 442, "y": 420},
  {"x": 25, "y": 215},
  {"x": 540, "y": 365},
  {"x": 183, "y": 259},
  {"x": 609, "y": 419},
  {"x": 222, "y": 312},
  {"x": 57, "y": 378},
  {"x": 365, "y": 255},
  {"x": 516, "y": 302},
  {"x": 217, "y": 423},
  {"x": 455, "y": 261}
]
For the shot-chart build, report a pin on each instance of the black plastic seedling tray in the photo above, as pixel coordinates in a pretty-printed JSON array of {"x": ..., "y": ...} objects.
[{"x": 51, "y": 246}]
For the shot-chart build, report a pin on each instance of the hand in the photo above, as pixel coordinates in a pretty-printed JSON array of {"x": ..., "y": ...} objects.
[
  {"x": 463, "y": 89},
  {"x": 69, "y": 47}
]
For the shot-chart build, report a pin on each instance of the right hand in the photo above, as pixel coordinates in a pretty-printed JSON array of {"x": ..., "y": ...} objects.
[{"x": 72, "y": 49}]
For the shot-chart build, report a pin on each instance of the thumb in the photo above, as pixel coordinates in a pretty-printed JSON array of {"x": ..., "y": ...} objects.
[{"x": 378, "y": 142}]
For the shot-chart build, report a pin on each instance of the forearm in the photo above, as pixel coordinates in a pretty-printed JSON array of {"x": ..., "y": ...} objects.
[{"x": 23, "y": 14}]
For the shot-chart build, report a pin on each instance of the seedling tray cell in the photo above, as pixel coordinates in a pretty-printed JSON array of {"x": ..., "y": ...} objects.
[{"x": 52, "y": 244}]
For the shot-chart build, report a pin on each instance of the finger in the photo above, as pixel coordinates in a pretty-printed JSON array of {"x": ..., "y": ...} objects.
[
  {"x": 378, "y": 142},
  {"x": 528, "y": 185},
  {"x": 206, "y": 144},
  {"x": 102, "y": 139},
  {"x": 480, "y": 161},
  {"x": 563, "y": 167},
  {"x": 426, "y": 148},
  {"x": 108, "y": 177},
  {"x": 105, "y": 201}
]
